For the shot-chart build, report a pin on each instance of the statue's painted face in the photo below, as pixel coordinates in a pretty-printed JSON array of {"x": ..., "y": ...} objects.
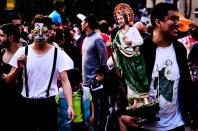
[
  {"x": 41, "y": 32},
  {"x": 121, "y": 21}
]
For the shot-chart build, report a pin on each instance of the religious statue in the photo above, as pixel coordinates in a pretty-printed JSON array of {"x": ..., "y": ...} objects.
[{"x": 130, "y": 62}]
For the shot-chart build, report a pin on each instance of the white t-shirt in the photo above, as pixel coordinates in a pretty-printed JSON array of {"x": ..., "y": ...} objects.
[
  {"x": 167, "y": 70},
  {"x": 39, "y": 68}
]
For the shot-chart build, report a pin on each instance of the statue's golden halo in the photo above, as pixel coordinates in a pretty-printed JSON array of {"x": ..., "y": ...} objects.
[{"x": 124, "y": 8}]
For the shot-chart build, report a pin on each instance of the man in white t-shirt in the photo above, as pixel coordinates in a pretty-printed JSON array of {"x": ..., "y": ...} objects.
[
  {"x": 42, "y": 66},
  {"x": 167, "y": 72}
]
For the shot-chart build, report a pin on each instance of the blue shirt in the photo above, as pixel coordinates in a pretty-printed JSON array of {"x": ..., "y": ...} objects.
[{"x": 55, "y": 16}]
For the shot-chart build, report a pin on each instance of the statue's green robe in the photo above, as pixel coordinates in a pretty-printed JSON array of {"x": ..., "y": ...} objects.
[{"x": 132, "y": 69}]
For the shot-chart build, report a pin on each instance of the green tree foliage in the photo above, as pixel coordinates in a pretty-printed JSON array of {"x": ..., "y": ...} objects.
[
  {"x": 104, "y": 9},
  {"x": 27, "y": 9}
]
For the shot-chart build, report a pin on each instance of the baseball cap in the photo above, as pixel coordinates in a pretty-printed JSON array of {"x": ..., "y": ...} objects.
[{"x": 81, "y": 17}]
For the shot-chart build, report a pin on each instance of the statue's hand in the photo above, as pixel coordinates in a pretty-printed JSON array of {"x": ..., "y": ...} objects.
[
  {"x": 129, "y": 43},
  {"x": 109, "y": 43}
]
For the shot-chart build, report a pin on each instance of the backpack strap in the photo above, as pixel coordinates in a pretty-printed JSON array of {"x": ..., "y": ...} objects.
[
  {"x": 26, "y": 78},
  {"x": 52, "y": 74}
]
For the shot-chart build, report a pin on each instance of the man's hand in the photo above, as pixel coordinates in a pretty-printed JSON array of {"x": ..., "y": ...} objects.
[
  {"x": 3, "y": 76},
  {"x": 70, "y": 114},
  {"x": 108, "y": 43},
  {"x": 91, "y": 120},
  {"x": 128, "y": 120},
  {"x": 21, "y": 61},
  {"x": 194, "y": 124}
]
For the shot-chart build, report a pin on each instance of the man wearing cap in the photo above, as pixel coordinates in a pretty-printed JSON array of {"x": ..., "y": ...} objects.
[{"x": 94, "y": 52}]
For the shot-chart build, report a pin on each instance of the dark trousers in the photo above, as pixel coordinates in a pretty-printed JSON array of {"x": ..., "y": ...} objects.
[
  {"x": 39, "y": 114},
  {"x": 101, "y": 109},
  {"x": 180, "y": 128},
  {"x": 81, "y": 126},
  {"x": 8, "y": 117}
]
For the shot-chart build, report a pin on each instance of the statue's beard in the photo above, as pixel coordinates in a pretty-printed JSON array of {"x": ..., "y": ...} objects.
[{"x": 122, "y": 25}]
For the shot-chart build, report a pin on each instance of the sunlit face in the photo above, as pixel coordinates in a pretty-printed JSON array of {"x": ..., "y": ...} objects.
[
  {"x": 41, "y": 32},
  {"x": 52, "y": 35},
  {"x": 16, "y": 21},
  {"x": 99, "y": 78},
  {"x": 84, "y": 25},
  {"x": 3, "y": 37},
  {"x": 121, "y": 21},
  {"x": 62, "y": 10},
  {"x": 4, "y": 42},
  {"x": 169, "y": 26},
  {"x": 72, "y": 33}
]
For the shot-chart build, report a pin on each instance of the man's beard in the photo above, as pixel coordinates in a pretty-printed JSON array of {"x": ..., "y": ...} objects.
[{"x": 5, "y": 44}]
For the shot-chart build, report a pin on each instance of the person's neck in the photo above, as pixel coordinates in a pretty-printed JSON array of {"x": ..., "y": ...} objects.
[
  {"x": 76, "y": 88},
  {"x": 13, "y": 47},
  {"x": 41, "y": 48},
  {"x": 160, "y": 39},
  {"x": 57, "y": 11},
  {"x": 125, "y": 28},
  {"x": 89, "y": 31}
]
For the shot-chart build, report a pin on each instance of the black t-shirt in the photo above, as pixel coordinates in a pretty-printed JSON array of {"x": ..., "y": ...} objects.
[
  {"x": 8, "y": 95},
  {"x": 4, "y": 68}
]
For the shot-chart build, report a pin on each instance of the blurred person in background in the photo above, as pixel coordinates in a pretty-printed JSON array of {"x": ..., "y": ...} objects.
[
  {"x": 23, "y": 35},
  {"x": 56, "y": 14},
  {"x": 9, "y": 38}
]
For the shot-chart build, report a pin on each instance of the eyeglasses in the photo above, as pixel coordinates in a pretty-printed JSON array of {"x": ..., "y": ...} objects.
[{"x": 44, "y": 31}]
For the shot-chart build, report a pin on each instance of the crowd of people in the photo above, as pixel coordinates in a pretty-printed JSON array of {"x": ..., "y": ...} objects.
[{"x": 57, "y": 76}]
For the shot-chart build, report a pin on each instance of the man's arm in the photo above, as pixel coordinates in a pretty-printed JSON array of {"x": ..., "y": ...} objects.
[
  {"x": 12, "y": 77},
  {"x": 102, "y": 51},
  {"x": 128, "y": 120},
  {"x": 59, "y": 20},
  {"x": 14, "y": 72},
  {"x": 68, "y": 94},
  {"x": 92, "y": 113}
]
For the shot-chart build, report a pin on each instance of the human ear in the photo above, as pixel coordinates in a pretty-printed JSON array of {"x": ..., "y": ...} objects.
[
  {"x": 11, "y": 38},
  {"x": 157, "y": 22}
]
